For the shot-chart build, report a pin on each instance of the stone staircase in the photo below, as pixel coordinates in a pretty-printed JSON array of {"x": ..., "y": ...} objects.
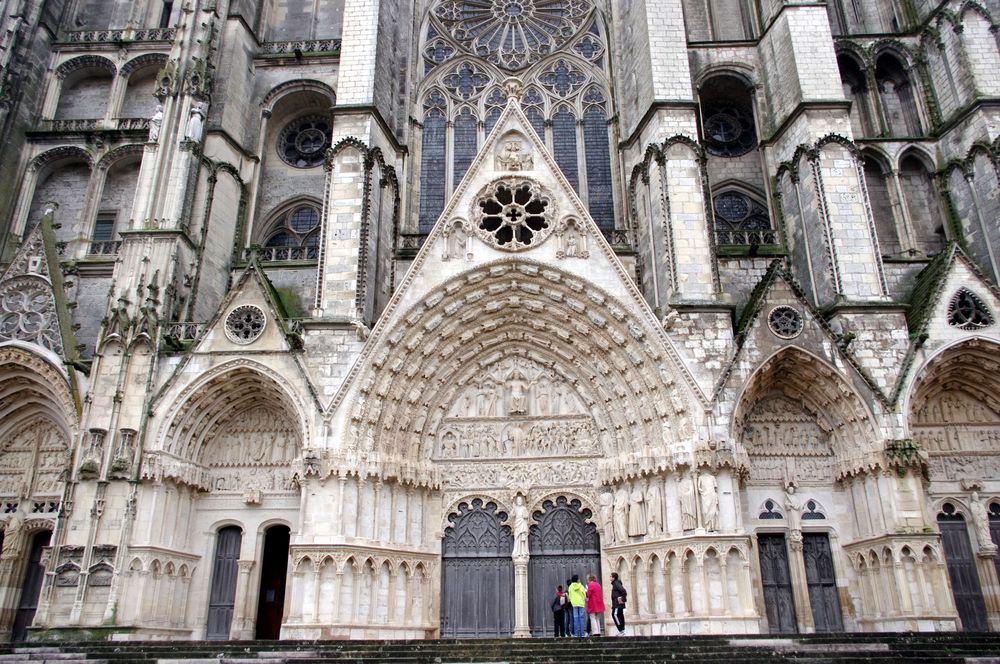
[{"x": 816, "y": 649}]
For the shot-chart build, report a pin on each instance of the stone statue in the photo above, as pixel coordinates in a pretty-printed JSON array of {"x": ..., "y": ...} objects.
[
  {"x": 621, "y": 515},
  {"x": 636, "y": 514},
  {"x": 520, "y": 527},
  {"x": 513, "y": 159},
  {"x": 654, "y": 508},
  {"x": 13, "y": 536},
  {"x": 793, "y": 508},
  {"x": 607, "y": 515},
  {"x": 155, "y": 123},
  {"x": 196, "y": 123},
  {"x": 518, "y": 393},
  {"x": 708, "y": 489},
  {"x": 689, "y": 518},
  {"x": 980, "y": 521}
]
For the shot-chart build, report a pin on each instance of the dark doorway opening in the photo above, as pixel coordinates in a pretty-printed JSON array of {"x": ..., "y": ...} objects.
[
  {"x": 273, "y": 572},
  {"x": 821, "y": 578},
  {"x": 477, "y": 576},
  {"x": 562, "y": 544},
  {"x": 962, "y": 569},
  {"x": 777, "y": 582},
  {"x": 34, "y": 573},
  {"x": 222, "y": 596}
]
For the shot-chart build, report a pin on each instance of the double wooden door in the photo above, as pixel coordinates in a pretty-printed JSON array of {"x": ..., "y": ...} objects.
[
  {"x": 561, "y": 544},
  {"x": 477, "y": 576},
  {"x": 962, "y": 572}
]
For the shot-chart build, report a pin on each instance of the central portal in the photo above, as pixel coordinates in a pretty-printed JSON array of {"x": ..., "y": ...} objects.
[{"x": 561, "y": 543}]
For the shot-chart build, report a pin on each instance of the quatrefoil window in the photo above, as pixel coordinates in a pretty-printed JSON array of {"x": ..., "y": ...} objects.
[
  {"x": 245, "y": 324},
  {"x": 513, "y": 214}
]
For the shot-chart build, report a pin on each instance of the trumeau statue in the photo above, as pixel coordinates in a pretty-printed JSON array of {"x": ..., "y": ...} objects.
[{"x": 521, "y": 526}]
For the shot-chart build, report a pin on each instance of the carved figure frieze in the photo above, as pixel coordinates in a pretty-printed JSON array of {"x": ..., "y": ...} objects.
[
  {"x": 555, "y": 474},
  {"x": 537, "y": 437},
  {"x": 260, "y": 437},
  {"x": 959, "y": 467},
  {"x": 38, "y": 454},
  {"x": 779, "y": 427},
  {"x": 516, "y": 386}
]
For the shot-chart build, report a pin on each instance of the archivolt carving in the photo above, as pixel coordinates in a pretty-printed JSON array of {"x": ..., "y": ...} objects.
[
  {"x": 797, "y": 407},
  {"x": 35, "y": 399},
  {"x": 421, "y": 369}
]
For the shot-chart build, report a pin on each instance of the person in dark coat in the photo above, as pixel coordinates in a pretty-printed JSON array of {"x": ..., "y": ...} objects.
[
  {"x": 559, "y": 604},
  {"x": 618, "y": 597},
  {"x": 568, "y": 617}
]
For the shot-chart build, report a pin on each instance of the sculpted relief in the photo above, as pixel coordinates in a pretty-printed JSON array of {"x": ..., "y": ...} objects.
[
  {"x": 253, "y": 453},
  {"x": 785, "y": 441},
  {"x": 34, "y": 461},
  {"x": 516, "y": 410},
  {"x": 956, "y": 422}
]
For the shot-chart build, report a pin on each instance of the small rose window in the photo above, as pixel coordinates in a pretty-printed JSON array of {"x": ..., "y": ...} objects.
[
  {"x": 514, "y": 214},
  {"x": 245, "y": 324}
]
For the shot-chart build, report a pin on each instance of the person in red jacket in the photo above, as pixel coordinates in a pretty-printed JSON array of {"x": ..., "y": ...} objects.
[{"x": 595, "y": 605}]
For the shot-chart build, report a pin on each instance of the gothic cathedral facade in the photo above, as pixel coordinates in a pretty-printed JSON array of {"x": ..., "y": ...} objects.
[{"x": 380, "y": 319}]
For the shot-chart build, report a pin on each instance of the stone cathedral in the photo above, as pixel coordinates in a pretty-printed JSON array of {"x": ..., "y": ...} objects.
[{"x": 329, "y": 319}]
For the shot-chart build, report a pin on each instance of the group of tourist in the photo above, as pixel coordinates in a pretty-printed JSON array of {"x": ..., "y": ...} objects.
[{"x": 572, "y": 607}]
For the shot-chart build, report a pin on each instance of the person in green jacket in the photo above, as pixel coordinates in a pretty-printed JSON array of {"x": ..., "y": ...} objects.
[{"x": 578, "y": 600}]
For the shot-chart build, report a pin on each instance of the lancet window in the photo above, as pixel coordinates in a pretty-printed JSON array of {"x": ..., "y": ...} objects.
[{"x": 558, "y": 50}]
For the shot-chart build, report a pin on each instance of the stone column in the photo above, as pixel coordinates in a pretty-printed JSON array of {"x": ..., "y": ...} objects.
[
  {"x": 988, "y": 580},
  {"x": 800, "y": 586},
  {"x": 521, "y": 628},
  {"x": 242, "y": 627}
]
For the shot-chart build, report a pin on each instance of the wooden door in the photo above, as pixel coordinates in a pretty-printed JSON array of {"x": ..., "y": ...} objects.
[
  {"x": 822, "y": 581},
  {"x": 477, "y": 576},
  {"x": 562, "y": 544},
  {"x": 962, "y": 571},
  {"x": 31, "y": 587},
  {"x": 273, "y": 572},
  {"x": 222, "y": 595},
  {"x": 777, "y": 582}
]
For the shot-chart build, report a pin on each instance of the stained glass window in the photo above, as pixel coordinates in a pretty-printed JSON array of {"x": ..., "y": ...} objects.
[
  {"x": 564, "y": 145},
  {"x": 432, "y": 161},
  {"x": 466, "y": 131},
  {"x": 742, "y": 220},
  {"x": 599, "y": 189}
]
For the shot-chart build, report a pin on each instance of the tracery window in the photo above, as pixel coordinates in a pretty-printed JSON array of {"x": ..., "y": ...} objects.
[
  {"x": 558, "y": 49},
  {"x": 294, "y": 235},
  {"x": 741, "y": 220}
]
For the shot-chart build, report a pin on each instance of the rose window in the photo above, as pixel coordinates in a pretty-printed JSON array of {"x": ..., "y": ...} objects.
[
  {"x": 303, "y": 143},
  {"x": 513, "y": 214},
  {"x": 513, "y": 33},
  {"x": 967, "y": 312},
  {"x": 27, "y": 313},
  {"x": 245, "y": 324},
  {"x": 729, "y": 130},
  {"x": 785, "y": 322}
]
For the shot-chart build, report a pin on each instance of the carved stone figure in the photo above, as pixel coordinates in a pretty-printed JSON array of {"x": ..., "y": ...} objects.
[
  {"x": 513, "y": 157},
  {"x": 636, "y": 514},
  {"x": 13, "y": 536},
  {"x": 654, "y": 508},
  {"x": 518, "y": 394},
  {"x": 980, "y": 521},
  {"x": 520, "y": 527},
  {"x": 621, "y": 515},
  {"x": 793, "y": 508},
  {"x": 154, "y": 124},
  {"x": 708, "y": 489},
  {"x": 196, "y": 123},
  {"x": 607, "y": 514},
  {"x": 689, "y": 517}
]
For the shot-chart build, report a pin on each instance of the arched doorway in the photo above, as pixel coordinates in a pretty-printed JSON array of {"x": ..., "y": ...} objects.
[
  {"x": 273, "y": 571},
  {"x": 961, "y": 561},
  {"x": 477, "y": 575},
  {"x": 562, "y": 543},
  {"x": 34, "y": 573},
  {"x": 222, "y": 595}
]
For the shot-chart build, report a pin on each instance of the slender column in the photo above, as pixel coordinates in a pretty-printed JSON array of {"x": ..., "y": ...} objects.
[
  {"x": 297, "y": 593},
  {"x": 521, "y": 628},
  {"x": 800, "y": 584},
  {"x": 988, "y": 579},
  {"x": 241, "y": 628},
  {"x": 339, "y": 529},
  {"x": 390, "y": 613}
]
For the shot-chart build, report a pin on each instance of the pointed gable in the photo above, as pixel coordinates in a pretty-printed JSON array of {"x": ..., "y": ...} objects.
[{"x": 32, "y": 297}]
